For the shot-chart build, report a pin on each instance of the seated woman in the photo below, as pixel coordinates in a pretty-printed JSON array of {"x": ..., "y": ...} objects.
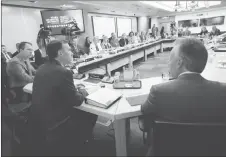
[
  {"x": 95, "y": 46},
  {"x": 137, "y": 38},
  {"x": 142, "y": 37},
  {"x": 40, "y": 54},
  {"x": 204, "y": 31},
  {"x": 105, "y": 44},
  {"x": 20, "y": 72},
  {"x": 131, "y": 38}
]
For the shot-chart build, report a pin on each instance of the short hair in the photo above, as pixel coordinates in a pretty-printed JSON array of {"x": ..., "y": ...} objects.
[
  {"x": 53, "y": 47},
  {"x": 131, "y": 32},
  {"x": 194, "y": 53},
  {"x": 22, "y": 44}
]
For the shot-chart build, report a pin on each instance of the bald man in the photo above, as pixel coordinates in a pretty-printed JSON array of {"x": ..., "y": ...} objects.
[{"x": 189, "y": 97}]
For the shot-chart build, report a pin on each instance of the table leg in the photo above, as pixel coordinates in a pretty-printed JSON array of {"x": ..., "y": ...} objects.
[
  {"x": 161, "y": 47},
  {"x": 145, "y": 56},
  {"x": 121, "y": 136}
]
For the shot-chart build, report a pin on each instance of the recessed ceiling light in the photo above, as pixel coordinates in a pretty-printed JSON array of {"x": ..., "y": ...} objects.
[
  {"x": 33, "y": 1},
  {"x": 66, "y": 6}
]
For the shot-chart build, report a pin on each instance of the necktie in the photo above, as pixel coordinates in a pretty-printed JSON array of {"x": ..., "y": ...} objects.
[{"x": 28, "y": 67}]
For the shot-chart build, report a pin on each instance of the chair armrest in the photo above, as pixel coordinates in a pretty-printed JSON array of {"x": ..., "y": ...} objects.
[{"x": 143, "y": 125}]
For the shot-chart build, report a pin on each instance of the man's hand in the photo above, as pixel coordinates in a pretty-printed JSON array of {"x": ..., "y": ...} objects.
[{"x": 83, "y": 92}]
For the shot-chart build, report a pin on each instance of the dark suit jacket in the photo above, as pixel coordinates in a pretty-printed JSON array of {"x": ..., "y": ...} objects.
[
  {"x": 53, "y": 96},
  {"x": 123, "y": 42},
  {"x": 216, "y": 33},
  {"x": 39, "y": 60},
  {"x": 189, "y": 98}
]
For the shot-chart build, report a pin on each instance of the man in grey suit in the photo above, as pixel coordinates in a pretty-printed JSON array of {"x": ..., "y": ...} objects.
[
  {"x": 189, "y": 97},
  {"x": 20, "y": 72},
  {"x": 56, "y": 127}
]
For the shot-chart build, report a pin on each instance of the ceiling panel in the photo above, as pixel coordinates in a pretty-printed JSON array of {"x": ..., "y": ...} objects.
[{"x": 129, "y": 8}]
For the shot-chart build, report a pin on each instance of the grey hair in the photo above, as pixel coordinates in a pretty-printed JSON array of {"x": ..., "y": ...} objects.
[{"x": 193, "y": 53}]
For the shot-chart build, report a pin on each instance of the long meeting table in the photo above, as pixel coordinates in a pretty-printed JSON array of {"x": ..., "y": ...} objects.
[{"x": 121, "y": 112}]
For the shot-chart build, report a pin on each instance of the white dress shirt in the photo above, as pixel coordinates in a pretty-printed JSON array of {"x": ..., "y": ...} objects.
[{"x": 188, "y": 72}]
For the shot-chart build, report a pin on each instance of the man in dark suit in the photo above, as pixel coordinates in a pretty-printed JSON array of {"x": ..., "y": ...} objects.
[
  {"x": 123, "y": 41},
  {"x": 7, "y": 55},
  {"x": 55, "y": 124},
  {"x": 189, "y": 97}
]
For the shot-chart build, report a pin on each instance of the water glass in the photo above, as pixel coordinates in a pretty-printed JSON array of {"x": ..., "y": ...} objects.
[
  {"x": 136, "y": 75},
  {"x": 117, "y": 77},
  {"x": 128, "y": 74},
  {"x": 165, "y": 76}
]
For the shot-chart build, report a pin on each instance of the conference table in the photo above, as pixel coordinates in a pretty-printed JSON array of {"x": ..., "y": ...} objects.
[{"x": 121, "y": 111}]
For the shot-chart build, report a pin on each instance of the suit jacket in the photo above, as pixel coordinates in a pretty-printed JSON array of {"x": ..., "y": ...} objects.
[
  {"x": 189, "y": 98},
  {"x": 19, "y": 73},
  {"x": 187, "y": 33},
  {"x": 216, "y": 33},
  {"x": 123, "y": 42},
  {"x": 114, "y": 42},
  {"x": 53, "y": 96},
  {"x": 39, "y": 60}
]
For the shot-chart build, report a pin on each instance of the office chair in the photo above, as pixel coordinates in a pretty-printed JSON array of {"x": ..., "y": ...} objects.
[{"x": 180, "y": 139}]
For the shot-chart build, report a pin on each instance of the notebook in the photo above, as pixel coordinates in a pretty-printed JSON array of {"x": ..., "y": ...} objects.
[{"x": 103, "y": 98}]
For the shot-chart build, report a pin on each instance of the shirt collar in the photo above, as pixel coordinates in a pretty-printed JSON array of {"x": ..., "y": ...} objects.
[{"x": 188, "y": 72}]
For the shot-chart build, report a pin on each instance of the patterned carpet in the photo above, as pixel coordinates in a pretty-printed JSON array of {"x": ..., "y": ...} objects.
[{"x": 105, "y": 145}]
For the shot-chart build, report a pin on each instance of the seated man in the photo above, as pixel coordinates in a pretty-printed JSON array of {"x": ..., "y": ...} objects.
[
  {"x": 113, "y": 40},
  {"x": 20, "y": 72},
  {"x": 215, "y": 31},
  {"x": 190, "y": 97},
  {"x": 123, "y": 41},
  {"x": 56, "y": 127},
  {"x": 95, "y": 46},
  {"x": 187, "y": 32},
  {"x": 5, "y": 54}
]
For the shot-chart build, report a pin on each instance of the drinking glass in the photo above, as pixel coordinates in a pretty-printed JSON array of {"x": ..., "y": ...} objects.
[
  {"x": 165, "y": 76},
  {"x": 116, "y": 77}
]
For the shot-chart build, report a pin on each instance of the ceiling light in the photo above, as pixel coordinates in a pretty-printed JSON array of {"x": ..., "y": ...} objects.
[
  {"x": 67, "y": 6},
  {"x": 33, "y": 1},
  {"x": 156, "y": 4}
]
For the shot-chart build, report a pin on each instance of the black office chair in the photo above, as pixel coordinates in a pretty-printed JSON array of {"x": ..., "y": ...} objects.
[{"x": 188, "y": 139}]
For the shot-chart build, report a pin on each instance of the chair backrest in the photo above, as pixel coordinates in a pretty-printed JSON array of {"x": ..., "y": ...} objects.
[{"x": 185, "y": 139}]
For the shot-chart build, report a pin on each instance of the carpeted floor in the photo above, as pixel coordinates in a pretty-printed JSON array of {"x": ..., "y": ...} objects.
[{"x": 105, "y": 146}]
